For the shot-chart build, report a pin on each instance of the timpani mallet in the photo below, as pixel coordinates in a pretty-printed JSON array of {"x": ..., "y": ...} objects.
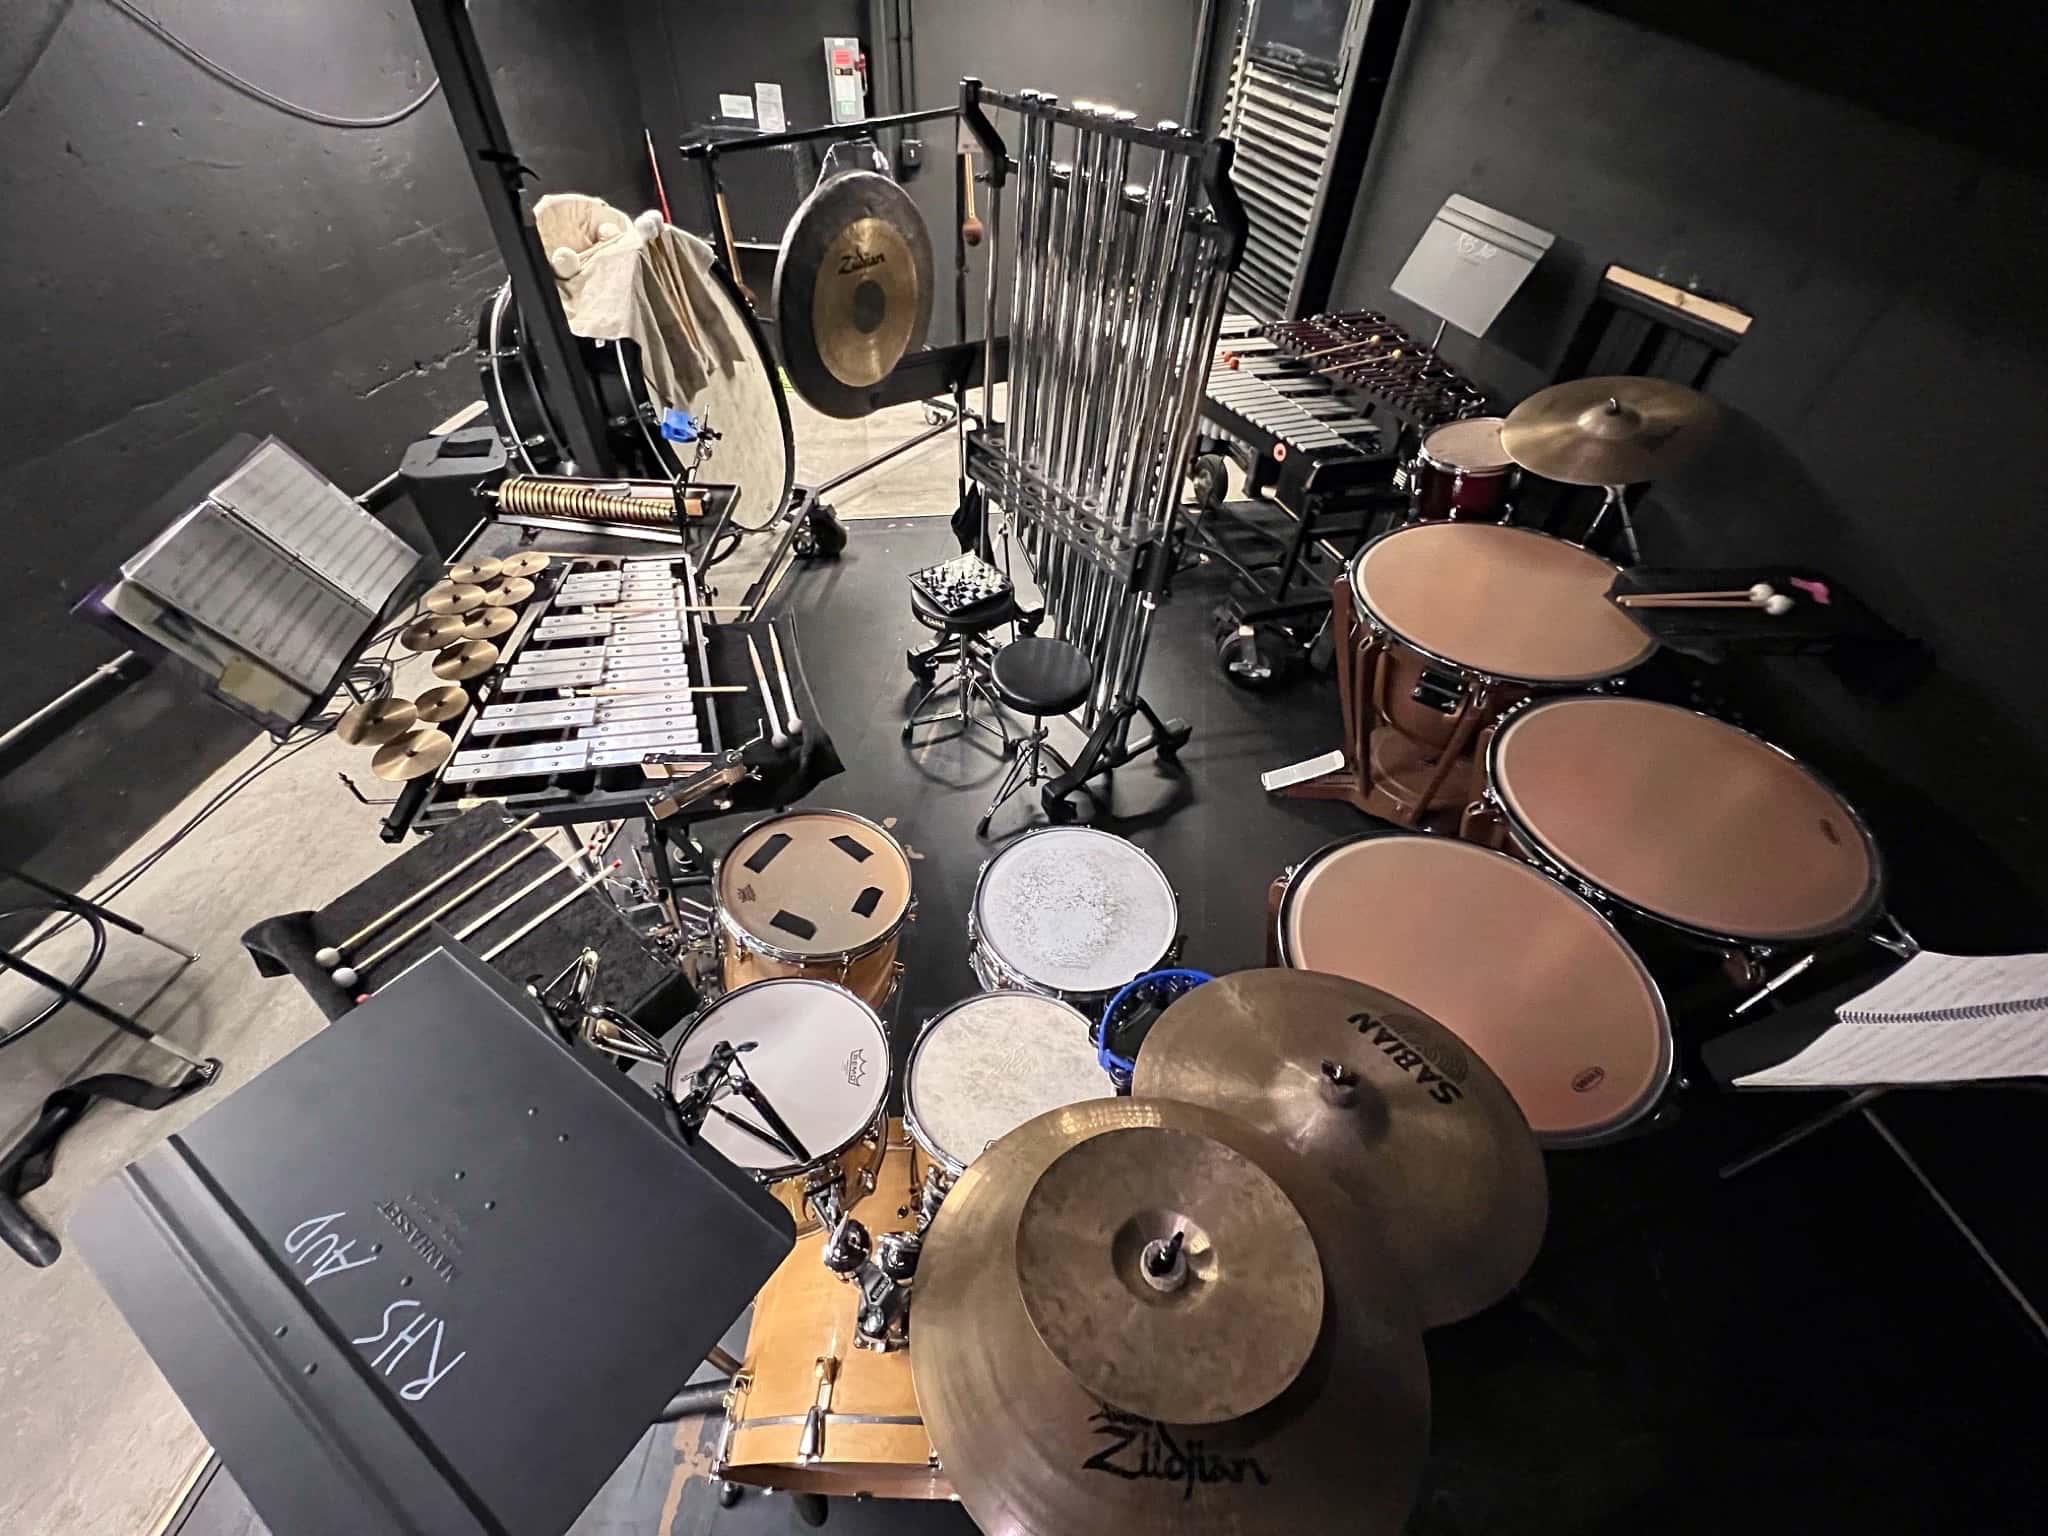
[
  {"x": 349, "y": 975},
  {"x": 514, "y": 937},
  {"x": 790, "y": 719},
  {"x": 332, "y": 956},
  {"x": 1759, "y": 594}
]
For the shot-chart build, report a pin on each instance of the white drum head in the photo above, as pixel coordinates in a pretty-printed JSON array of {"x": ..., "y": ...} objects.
[
  {"x": 985, "y": 1066},
  {"x": 1075, "y": 910},
  {"x": 819, "y": 1055}
]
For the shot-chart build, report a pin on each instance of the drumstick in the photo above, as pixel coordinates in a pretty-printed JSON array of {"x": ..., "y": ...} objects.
[
  {"x": 478, "y": 924},
  {"x": 1349, "y": 346},
  {"x": 509, "y": 940},
  {"x": 1762, "y": 592},
  {"x": 1777, "y": 607},
  {"x": 349, "y": 975},
  {"x": 789, "y": 714},
  {"x": 330, "y": 957},
  {"x": 770, "y": 722}
]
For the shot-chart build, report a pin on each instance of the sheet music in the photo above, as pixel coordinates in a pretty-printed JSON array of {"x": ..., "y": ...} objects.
[
  {"x": 302, "y": 512},
  {"x": 1932, "y": 985},
  {"x": 1944, "y": 1051}
]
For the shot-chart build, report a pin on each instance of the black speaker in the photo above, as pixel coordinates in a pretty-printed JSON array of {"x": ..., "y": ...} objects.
[{"x": 443, "y": 474}]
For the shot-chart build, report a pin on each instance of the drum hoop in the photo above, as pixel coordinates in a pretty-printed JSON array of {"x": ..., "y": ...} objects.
[
  {"x": 754, "y": 944},
  {"x": 977, "y": 931},
  {"x": 818, "y": 1159},
  {"x": 495, "y": 348},
  {"x": 911, "y": 1123},
  {"x": 1666, "y": 1041},
  {"x": 1379, "y": 621},
  {"x": 1867, "y": 907},
  {"x": 1467, "y": 471}
]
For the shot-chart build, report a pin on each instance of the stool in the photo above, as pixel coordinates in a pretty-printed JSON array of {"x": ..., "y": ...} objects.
[
  {"x": 1037, "y": 676},
  {"x": 968, "y": 629}
]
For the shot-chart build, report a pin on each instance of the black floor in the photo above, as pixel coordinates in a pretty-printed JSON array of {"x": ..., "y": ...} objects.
[{"x": 1808, "y": 1348}]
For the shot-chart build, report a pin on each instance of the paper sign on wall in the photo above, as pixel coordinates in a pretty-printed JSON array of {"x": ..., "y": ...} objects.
[
  {"x": 768, "y": 106},
  {"x": 732, "y": 105}
]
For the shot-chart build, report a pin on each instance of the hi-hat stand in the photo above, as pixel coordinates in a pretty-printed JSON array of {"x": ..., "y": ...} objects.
[{"x": 1126, "y": 236}]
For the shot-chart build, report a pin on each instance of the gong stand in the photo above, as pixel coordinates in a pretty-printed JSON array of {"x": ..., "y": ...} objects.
[{"x": 1126, "y": 235}]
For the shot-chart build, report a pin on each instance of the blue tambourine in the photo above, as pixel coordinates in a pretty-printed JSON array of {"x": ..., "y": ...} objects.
[{"x": 1138, "y": 1002}]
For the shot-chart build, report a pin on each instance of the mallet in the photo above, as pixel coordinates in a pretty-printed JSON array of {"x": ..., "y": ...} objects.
[{"x": 332, "y": 956}]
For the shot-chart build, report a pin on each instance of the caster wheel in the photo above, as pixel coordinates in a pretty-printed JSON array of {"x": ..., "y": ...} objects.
[
  {"x": 811, "y": 1508},
  {"x": 1059, "y": 812},
  {"x": 1257, "y": 657},
  {"x": 824, "y": 533},
  {"x": 728, "y": 1495},
  {"x": 1210, "y": 480},
  {"x": 907, "y": 732}
]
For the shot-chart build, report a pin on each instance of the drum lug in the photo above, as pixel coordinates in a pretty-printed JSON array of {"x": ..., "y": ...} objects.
[{"x": 811, "y": 1445}]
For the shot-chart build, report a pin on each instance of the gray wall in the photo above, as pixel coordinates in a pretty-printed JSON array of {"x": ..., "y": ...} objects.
[
  {"x": 184, "y": 263},
  {"x": 1886, "y": 403}
]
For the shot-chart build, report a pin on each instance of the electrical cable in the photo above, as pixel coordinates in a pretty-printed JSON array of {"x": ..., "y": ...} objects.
[
  {"x": 91, "y": 963},
  {"x": 249, "y": 88}
]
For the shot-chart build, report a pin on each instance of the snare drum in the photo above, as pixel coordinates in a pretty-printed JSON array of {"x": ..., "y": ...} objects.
[
  {"x": 1683, "y": 819},
  {"x": 1462, "y": 472},
  {"x": 813, "y": 893},
  {"x": 1524, "y": 971},
  {"x": 986, "y": 1065},
  {"x": 811, "y": 1412},
  {"x": 1072, "y": 913},
  {"x": 818, "y": 1054}
]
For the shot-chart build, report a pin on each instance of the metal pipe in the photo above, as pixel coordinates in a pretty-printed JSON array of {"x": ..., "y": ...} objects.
[{"x": 1167, "y": 212}]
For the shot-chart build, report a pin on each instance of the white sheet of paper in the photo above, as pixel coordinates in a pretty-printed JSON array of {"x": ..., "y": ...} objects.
[
  {"x": 1948, "y": 1051},
  {"x": 768, "y": 106},
  {"x": 731, "y": 104},
  {"x": 1934, "y": 983}
]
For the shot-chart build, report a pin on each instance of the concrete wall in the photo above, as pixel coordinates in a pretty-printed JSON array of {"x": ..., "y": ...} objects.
[
  {"x": 1885, "y": 403},
  {"x": 184, "y": 263}
]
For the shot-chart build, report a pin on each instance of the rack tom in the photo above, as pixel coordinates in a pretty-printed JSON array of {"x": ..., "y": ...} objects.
[
  {"x": 1683, "y": 819},
  {"x": 1524, "y": 971},
  {"x": 1461, "y": 471},
  {"x": 1071, "y": 913},
  {"x": 813, "y": 893}
]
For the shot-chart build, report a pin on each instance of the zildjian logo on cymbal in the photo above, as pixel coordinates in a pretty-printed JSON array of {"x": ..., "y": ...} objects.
[
  {"x": 859, "y": 261},
  {"x": 1145, "y": 1450}
]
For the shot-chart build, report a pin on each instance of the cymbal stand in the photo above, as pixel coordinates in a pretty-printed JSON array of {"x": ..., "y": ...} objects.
[{"x": 1617, "y": 500}]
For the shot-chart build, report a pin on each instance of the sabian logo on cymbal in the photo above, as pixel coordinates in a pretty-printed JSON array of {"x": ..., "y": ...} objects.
[
  {"x": 1144, "y": 1450},
  {"x": 859, "y": 261},
  {"x": 1437, "y": 1070}
]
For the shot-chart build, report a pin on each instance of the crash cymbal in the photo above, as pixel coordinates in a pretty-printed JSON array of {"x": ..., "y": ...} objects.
[
  {"x": 487, "y": 623},
  {"x": 476, "y": 570},
  {"x": 430, "y": 634},
  {"x": 1607, "y": 431},
  {"x": 853, "y": 289},
  {"x": 508, "y": 592},
  {"x": 376, "y": 722},
  {"x": 528, "y": 562},
  {"x": 1031, "y": 1451},
  {"x": 1386, "y": 1101},
  {"x": 412, "y": 756},
  {"x": 443, "y": 703},
  {"x": 453, "y": 597},
  {"x": 466, "y": 659}
]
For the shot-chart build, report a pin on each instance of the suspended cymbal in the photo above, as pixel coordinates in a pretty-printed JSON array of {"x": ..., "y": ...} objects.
[
  {"x": 1607, "y": 431},
  {"x": 476, "y": 570},
  {"x": 1422, "y": 1133},
  {"x": 1031, "y": 1451},
  {"x": 412, "y": 756},
  {"x": 853, "y": 289},
  {"x": 508, "y": 592},
  {"x": 431, "y": 633},
  {"x": 466, "y": 659},
  {"x": 453, "y": 597},
  {"x": 376, "y": 722},
  {"x": 487, "y": 623},
  {"x": 443, "y": 703},
  {"x": 528, "y": 562}
]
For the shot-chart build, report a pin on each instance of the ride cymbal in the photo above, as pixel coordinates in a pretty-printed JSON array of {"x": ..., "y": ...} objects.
[
  {"x": 508, "y": 592},
  {"x": 430, "y": 634},
  {"x": 1615, "y": 430},
  {"x": 466, "y": 659},
  {"x": 1386, "y": 1101},
  {"x": 412, "y": 756},
  {"x": 487, "y": 623},
  {"x": 476, "y": 571},
  {"x": 375, "y": 723},
  {"x": 443, "y": 703},
  {"x": 453, "y": 597},
  {"x": 1031, "y": 1451},
  {"x": 528, "y": 562}
]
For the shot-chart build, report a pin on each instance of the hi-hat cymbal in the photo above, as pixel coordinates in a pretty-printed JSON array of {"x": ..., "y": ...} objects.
[
  {"x": 466, "y": 659},
  {"x": 442, "y": 703},
  {"x": 376, "y": 722},
  {"x": 431, "y": 633},
  {"x": 453, "y": 597},
  {"x": 509, "y": 591},
  {"x": 488, "y": 623},
  {"x": 1386, "y": 1101},
  {"x": 412, "y": 756},
  {"x": 1032, "y": 1451},
  {"x": 528, "y": 562},
  {"x": 476, "y": 570},
  {"x": 1607, "y": 431}
]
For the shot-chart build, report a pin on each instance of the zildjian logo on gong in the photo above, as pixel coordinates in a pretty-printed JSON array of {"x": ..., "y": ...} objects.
[
  {"x": 1144, "y": 1450},
  {"x": 859, "y": 261}
]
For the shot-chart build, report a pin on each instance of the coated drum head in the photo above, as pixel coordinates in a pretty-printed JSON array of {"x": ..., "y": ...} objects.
[
  {"x": 986, "y": 1065},
  {"x": 814, "y": 884},
  {"x": 1075, "y": 911},
  {"x": 1510, "y": 603},
  {"x": 1686, "y": 818},
  {"x": 817, "y": 1053},
  {"x": 1519, "y": 968},
  {"x": 1472, "y": 445}
]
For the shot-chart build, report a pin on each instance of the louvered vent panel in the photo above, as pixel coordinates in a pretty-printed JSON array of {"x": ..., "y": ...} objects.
[{"x": 1283, "y": 124}]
